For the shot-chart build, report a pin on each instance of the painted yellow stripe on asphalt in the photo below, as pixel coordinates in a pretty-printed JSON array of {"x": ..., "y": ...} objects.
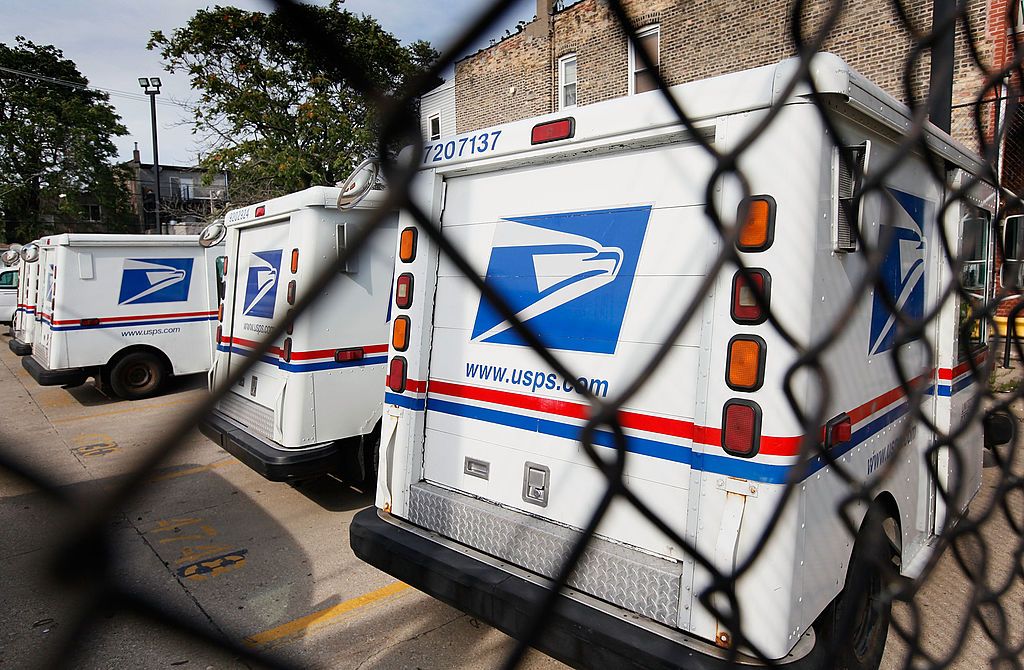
[
  {"x": 93, "y": 415},
  {"x": 174, "y": 474},
  {"x": 323, "y": 617}
]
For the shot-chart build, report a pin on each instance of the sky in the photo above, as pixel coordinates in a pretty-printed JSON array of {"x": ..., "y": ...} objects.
[{"x": 107, "y": 41}]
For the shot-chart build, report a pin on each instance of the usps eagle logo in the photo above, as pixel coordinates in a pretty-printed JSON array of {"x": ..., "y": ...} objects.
[
  {"x": 902, "y": 269},
  {"x": 261, "y": 284},
  {"x": 150, "y": 280},
  {"x": 566, "y": 276}
]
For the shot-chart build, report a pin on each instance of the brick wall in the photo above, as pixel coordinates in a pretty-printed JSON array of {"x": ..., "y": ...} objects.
[{"x": 515, "y": 78}]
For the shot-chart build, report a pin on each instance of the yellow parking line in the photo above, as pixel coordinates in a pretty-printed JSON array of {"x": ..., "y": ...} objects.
[
  {"x": 93, "y": 415},
  {"x": 174, "y": 474},
  {"x": 323, "y": 617}
]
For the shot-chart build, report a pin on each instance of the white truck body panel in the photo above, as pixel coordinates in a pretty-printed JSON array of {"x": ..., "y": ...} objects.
[
  {"x": 310, "y": 398},
  {"x": 100, "y": 294},
  {"x": 25, "y": 318},
  {"x": 600, "y": 242}
]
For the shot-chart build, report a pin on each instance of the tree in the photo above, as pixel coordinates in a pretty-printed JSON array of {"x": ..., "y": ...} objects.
[
  {"x": 56, "y": 147},
  {"x": 268, "y": 108}
]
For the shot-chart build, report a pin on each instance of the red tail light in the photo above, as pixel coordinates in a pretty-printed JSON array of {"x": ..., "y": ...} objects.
[
  {"x": 744, "y": 305},
  {"x": 295, "y": 261},
  {"x": 553, "y": 131},
  {"x": 261, "y": 210},
  {"x": 291, "y": 292},
  {"x": 396, "y": 374},
  {"x": 286, "y": 350},
  {"x": 220, "y": 312},
  {"x": 290, "y": 322},
  {"x": 90, "y": 322},
  {"x": 741, "y": 427},
  {"x": 403, "y": 291},
  {"x": 217, "y": 337},
  {"x": 838, "y": 430},
  {"x": 353, "y": 354}
]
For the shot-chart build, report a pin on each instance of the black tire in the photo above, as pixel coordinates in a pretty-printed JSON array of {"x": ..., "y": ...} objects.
[
  {"x": 138, "y": 375},
  {"x": 371, "y": 454},
  {"x": 854, "y": 628}
]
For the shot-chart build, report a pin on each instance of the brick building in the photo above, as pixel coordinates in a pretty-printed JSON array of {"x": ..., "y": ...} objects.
[{"x": 580, "y": 55}]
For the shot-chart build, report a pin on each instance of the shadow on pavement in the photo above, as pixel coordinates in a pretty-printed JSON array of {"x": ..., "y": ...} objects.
[{"x": 207, "y": 554}]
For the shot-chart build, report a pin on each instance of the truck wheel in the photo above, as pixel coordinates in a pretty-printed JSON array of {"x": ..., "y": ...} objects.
[
  {"x": 371, "y": 454},
  {"x": 138, "y": 375},
  {"x": 855, "y": 626}
]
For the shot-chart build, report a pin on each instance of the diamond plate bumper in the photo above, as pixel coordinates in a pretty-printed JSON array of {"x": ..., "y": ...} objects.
[
  {"x": 639, "y": 582},
  {"x": 275, "y": 463},
  {"x": 582, "y": 635},
  {"x": 20, "y": 348}
]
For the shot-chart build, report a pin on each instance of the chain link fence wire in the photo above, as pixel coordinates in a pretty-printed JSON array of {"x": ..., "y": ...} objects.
[{"x": 991, "y": 570}]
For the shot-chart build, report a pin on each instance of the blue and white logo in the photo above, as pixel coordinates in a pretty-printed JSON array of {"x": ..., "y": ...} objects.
[
  {"x": 902, "y": 269},
  {"x": 149, "y": 280},
  {"x": 261, "y": 284},
  {"x": 567, "y": 276}
]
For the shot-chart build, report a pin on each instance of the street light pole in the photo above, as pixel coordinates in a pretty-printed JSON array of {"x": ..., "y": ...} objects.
[{"x": 152, "y": 88}]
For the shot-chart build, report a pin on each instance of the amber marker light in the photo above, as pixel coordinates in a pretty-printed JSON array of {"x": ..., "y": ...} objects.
[
  {"x": 407, "y": 245},
  {"x": 400, "y": 333},
  {"x": 758, "y": 228},
  {"x": 744, "y": 369}
]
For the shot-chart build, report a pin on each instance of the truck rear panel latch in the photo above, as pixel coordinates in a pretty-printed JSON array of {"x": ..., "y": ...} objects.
[{"x": 536, "y": 482}]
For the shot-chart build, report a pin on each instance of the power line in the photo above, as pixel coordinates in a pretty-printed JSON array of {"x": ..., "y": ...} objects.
[{"x": 138, "y": 97}]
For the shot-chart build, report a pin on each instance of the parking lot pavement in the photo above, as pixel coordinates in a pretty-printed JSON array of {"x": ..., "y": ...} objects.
[{"x": 266, "y": 565}]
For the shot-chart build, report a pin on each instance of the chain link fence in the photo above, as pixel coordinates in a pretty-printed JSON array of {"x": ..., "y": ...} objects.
[{"x": 989, "y": 594}]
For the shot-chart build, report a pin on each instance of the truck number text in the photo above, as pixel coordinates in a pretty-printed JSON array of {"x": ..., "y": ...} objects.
[{"x": 464, "y": 146}]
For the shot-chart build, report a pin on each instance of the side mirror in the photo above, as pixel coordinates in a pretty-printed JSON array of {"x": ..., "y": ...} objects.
[
  {"x": 213, "y": 234},
  {"x": 10, "y": 257},
  {"x": 358, "y": 184},
  {"x": 999, "y": 428},
  {"x": 30, "y": 252}
]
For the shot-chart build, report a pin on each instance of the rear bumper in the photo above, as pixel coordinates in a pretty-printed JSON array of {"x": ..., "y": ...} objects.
[
  {"x": 577, "y": 634},
  {"x": 58, "y": 377},
  {"x": 274, "y": 463},
  {"x": 20, "y": 348}
]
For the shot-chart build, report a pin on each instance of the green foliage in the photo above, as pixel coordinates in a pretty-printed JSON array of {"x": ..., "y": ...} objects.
[
  {"x": 55, "y": 140},
  {"x": 269, "y": 108}
]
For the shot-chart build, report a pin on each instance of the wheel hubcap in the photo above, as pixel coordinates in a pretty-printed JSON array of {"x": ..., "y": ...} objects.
[{"x": 138, "y": 375}]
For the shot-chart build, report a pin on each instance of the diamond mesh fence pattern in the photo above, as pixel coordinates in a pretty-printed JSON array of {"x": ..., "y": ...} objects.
[{"x": 989, "y": 596}]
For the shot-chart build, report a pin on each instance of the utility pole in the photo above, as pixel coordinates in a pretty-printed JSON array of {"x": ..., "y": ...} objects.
[{"x": 152, "y": 88}]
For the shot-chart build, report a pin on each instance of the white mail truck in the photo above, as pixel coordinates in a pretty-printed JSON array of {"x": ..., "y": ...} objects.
[
  {"x": 9, "y": 271},
  {"x": 129, "y": 310},
  {"x": 23, "y": 327},
  {"x": 312, "y": 404},
  {"x": 592, "y": 224}
]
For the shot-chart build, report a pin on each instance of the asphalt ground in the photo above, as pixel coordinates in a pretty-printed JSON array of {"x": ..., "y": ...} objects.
[
  {"x": 269, "y": 565},
  {"x": 261, "y": 563}
]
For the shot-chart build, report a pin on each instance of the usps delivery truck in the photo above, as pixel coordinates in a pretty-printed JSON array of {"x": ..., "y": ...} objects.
[
  {"x": 312, "y": 404},
  {"x": 129, "y": 310},
  {"x": 592, "y": 224},
  {"x": 23, "y": 327},
  {"x": 9, "y": 271}
]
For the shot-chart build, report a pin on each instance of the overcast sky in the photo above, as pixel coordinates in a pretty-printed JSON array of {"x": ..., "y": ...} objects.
[{"x": 107, "y": 40}]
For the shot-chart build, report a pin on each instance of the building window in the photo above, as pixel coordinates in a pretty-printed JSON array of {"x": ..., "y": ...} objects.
[
  {"x": 435, "y": 126},
  {"x": 640, "y": 78},
  {"x": 1012, "y": 272},
  {"x": 92, "y": 213},
  {"x": 567, "y": 81}
]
